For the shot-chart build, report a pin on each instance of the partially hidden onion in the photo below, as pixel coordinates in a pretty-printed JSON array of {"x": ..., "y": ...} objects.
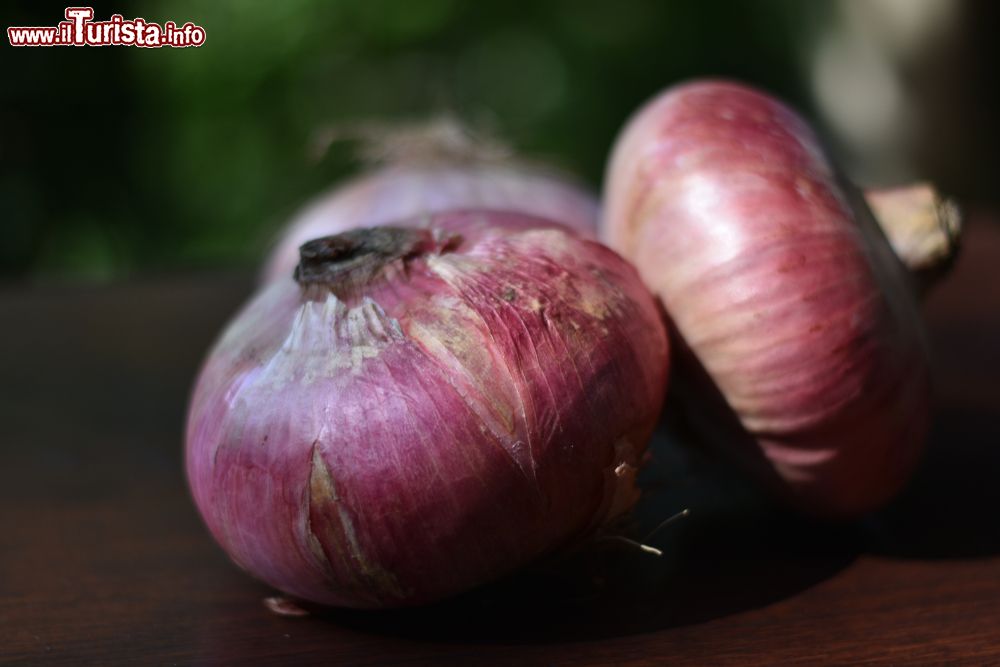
[
  {"x": 803, "y": 354},
  {"x": 425, "y": 409},
  {"x": 431, "y": 169}
]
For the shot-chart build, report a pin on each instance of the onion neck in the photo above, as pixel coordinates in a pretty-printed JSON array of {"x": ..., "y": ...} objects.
[
  {"x": 922, "y": 227},
  {"x": 352, "y": 261}
]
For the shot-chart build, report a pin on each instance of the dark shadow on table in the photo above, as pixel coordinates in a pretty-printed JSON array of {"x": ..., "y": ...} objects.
[{"x": 951, "y": 509}]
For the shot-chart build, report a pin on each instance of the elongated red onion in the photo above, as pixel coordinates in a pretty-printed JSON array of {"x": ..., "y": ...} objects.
[
  {"x": 430, "y": 169},
  {"x": 425, "y": 409},
  {"x": 805, "y": 351}
]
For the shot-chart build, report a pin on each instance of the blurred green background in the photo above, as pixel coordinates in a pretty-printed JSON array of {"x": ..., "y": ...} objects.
[{"x": 119, "y": 160}]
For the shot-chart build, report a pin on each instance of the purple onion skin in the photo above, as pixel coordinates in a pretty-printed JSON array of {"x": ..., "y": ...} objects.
[
  {"x": 469, "y": 408},
  {"x": 796, "y": 318},
  {"x": 408, "y": 192}
]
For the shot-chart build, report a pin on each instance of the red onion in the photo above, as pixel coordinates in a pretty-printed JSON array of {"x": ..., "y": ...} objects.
[
  {"x": 804, "y": 346},
  {"x": 426, "y": 409},
  {"x": 431, "y": 169}
]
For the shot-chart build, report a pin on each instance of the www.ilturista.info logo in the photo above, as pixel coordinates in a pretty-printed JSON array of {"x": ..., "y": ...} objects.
[{"x": 79, "y": 29}]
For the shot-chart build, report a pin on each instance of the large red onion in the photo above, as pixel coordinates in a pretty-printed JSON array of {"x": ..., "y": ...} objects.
[
  {"x": 431, "y": 169},
  {"x": 805, "y": 350},
  {"x": 425, "y": 409}
]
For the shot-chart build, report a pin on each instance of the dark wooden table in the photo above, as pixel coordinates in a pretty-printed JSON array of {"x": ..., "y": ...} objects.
[{"x": 103, "y": 559}]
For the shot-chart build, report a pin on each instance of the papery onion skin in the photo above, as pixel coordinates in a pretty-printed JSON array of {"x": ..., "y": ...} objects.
[
  {"x": 406, "y": 192},
  {"x": 797, "y": 319},
  {"x": 485, "y": 399}
]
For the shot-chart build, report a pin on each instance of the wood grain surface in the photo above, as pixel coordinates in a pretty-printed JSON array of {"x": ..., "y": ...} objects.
[{"x": 103, "y": 559}]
